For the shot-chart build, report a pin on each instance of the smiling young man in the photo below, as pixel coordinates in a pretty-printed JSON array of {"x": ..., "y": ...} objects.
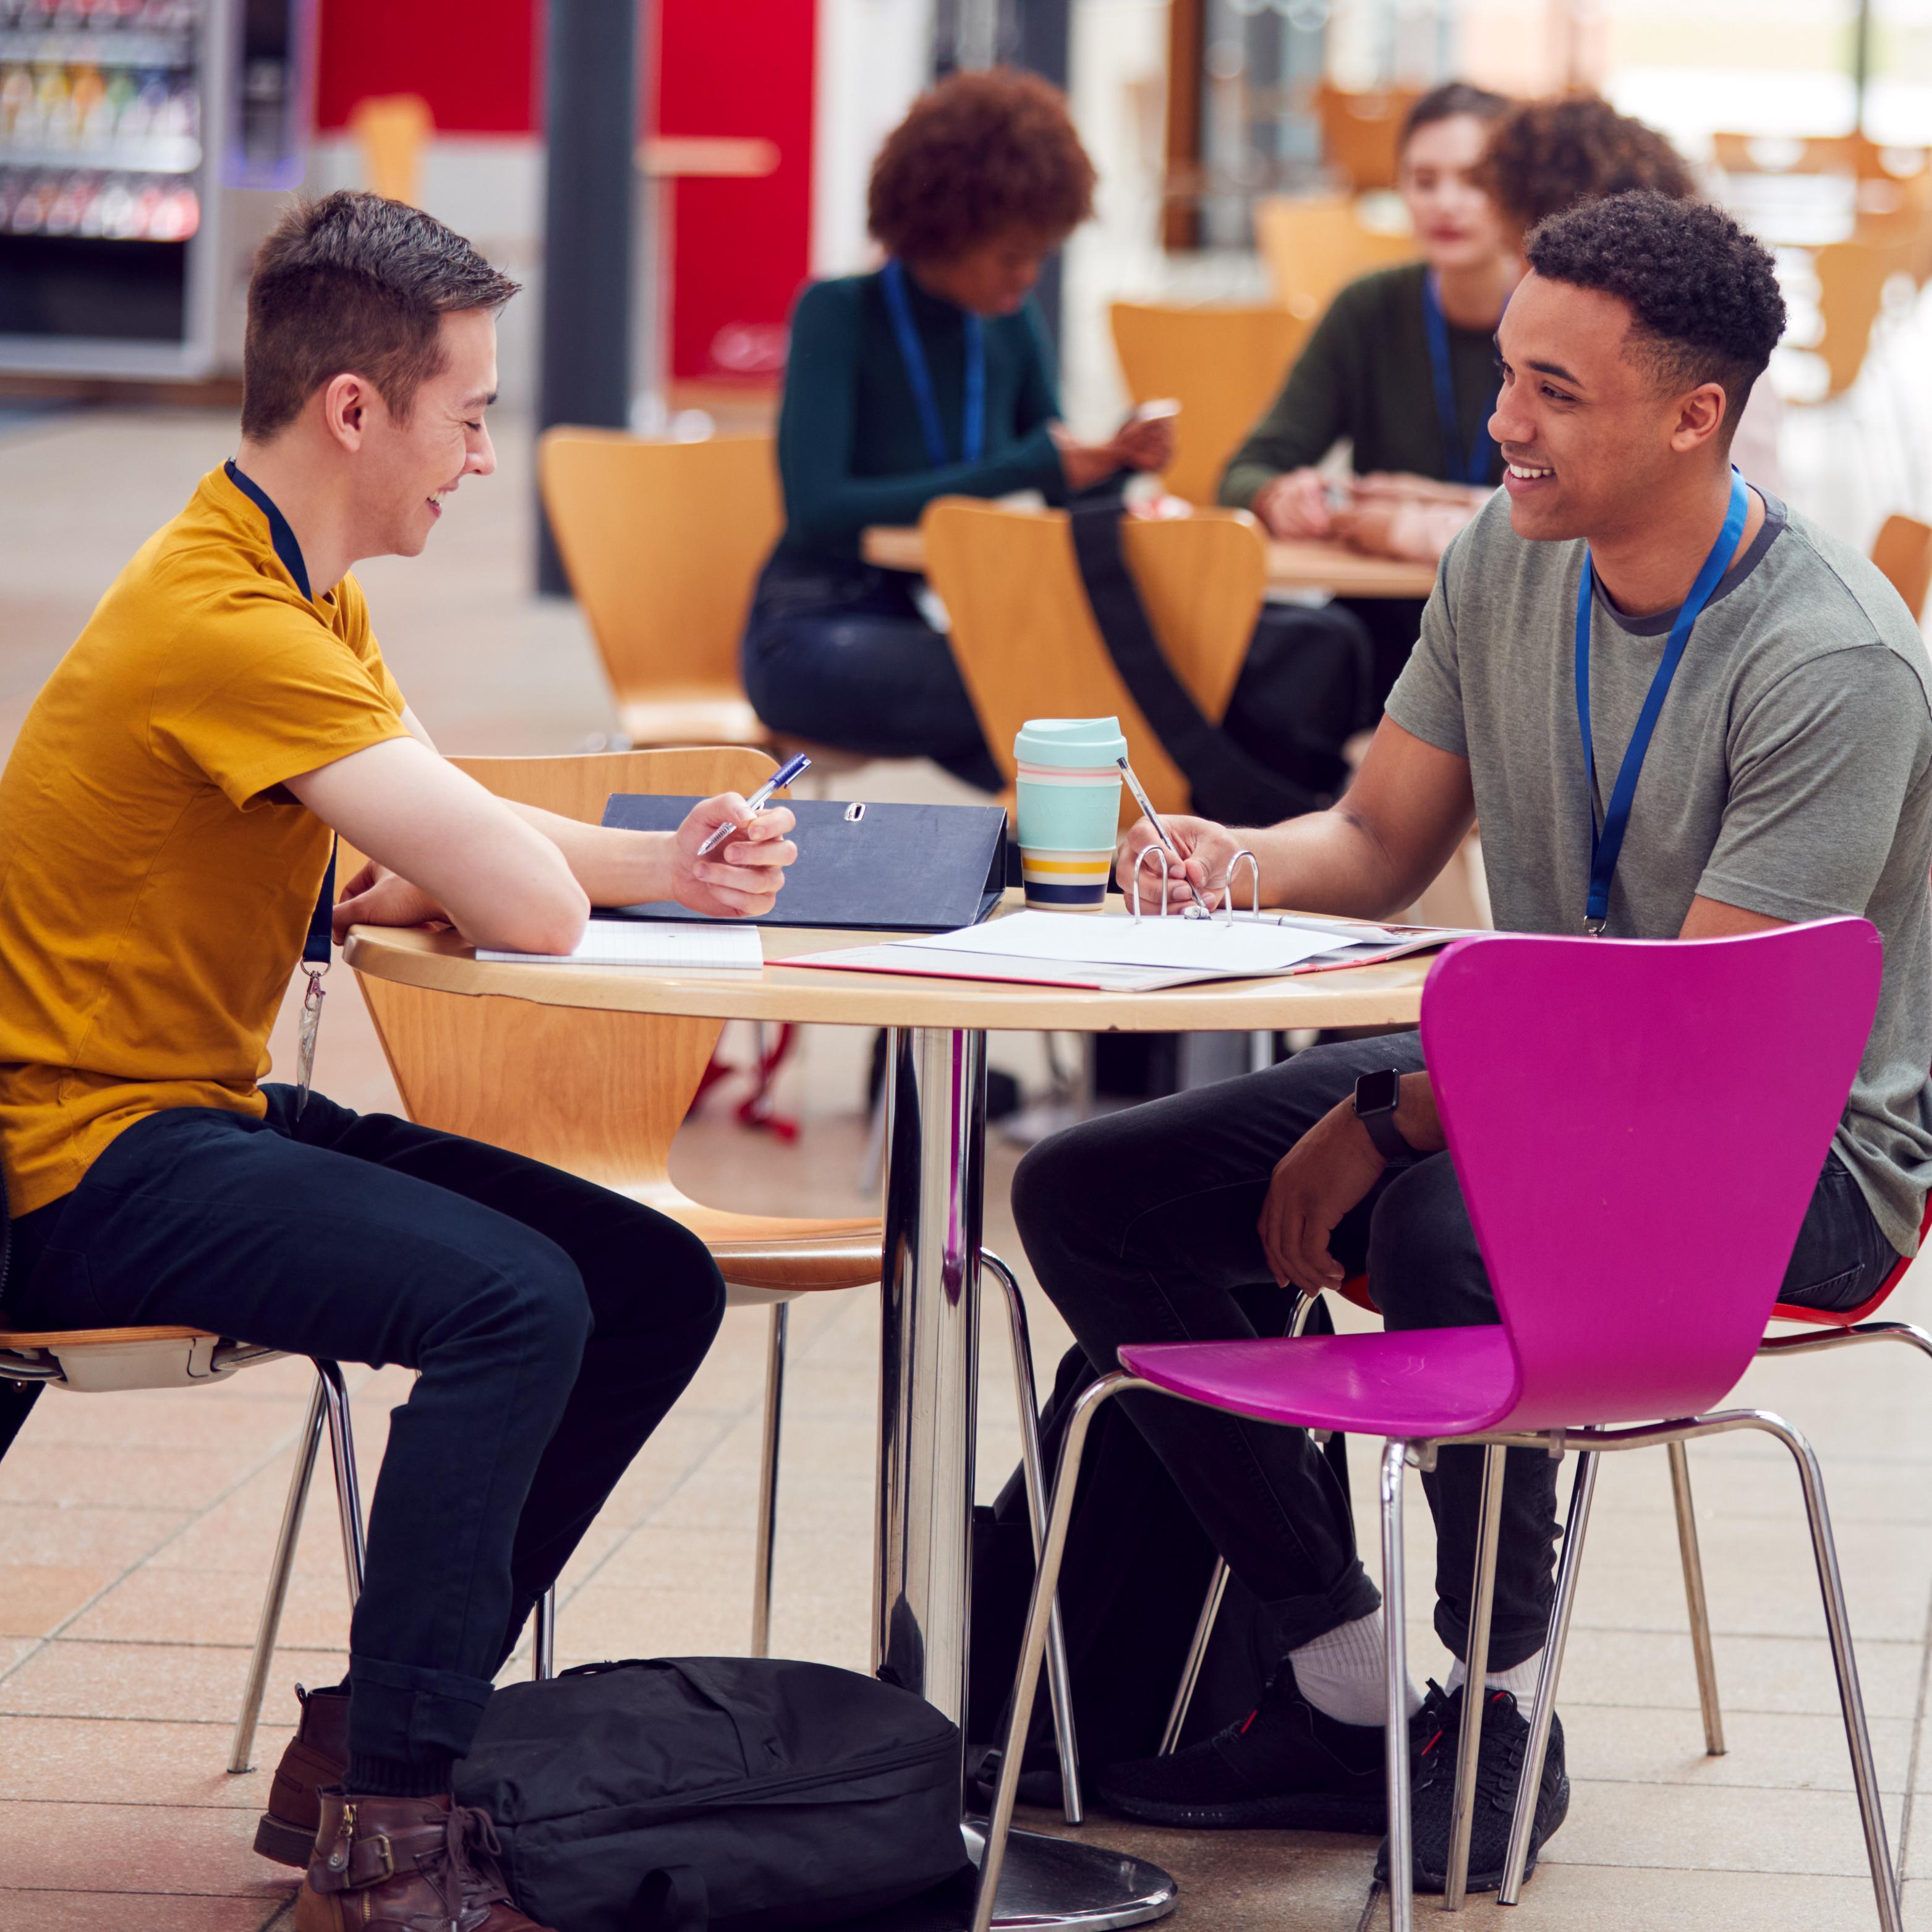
[
  {"x": 169, "y": 808},
  {"x": 1787, "y": 779}
]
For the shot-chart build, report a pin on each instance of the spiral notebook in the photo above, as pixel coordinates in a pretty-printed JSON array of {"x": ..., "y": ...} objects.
[{"x": 717, "y": 948}]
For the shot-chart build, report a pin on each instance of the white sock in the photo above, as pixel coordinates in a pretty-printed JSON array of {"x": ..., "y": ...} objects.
[
  {"x": 1343, "y": 1673},
  {"x": 1520, "y": 1680}
]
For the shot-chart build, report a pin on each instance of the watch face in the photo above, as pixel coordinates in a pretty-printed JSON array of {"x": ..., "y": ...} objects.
[{"x": 1378, "y": 1093}]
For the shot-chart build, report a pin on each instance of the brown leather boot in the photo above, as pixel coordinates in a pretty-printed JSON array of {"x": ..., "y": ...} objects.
[
  {"x": 405, "y": 1864},
  {"x": 318, "y": 1754}
]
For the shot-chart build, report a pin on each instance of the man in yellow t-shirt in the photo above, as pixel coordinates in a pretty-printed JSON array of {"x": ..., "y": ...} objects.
[{"x": 170, "y": 811}]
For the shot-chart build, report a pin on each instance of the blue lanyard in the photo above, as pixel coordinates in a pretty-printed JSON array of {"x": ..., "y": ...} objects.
[
  {"x": 1606, "y": 845},
  {"x": 912, "y": 353},
  {"x": 1476, "y": 466}
]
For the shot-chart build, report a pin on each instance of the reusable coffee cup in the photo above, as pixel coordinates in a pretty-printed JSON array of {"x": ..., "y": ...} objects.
[{"x": 1069, "y": 809}]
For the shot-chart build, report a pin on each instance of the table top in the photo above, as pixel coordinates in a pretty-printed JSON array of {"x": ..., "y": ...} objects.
[
  {"x": 1386, "y": 995},
  {"x": 1299, "y": 564}
]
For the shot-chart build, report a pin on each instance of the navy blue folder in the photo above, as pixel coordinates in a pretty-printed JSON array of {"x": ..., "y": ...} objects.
[{"x": 878, "y": 868}]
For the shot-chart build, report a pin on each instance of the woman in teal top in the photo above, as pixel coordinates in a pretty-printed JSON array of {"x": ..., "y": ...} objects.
[{"x": 929, "y": 378}]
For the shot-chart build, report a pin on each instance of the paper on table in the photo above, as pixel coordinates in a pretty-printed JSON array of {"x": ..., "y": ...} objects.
[
  {"x": 1198, "y": 945},
  {"x": 694, "y": 948}
]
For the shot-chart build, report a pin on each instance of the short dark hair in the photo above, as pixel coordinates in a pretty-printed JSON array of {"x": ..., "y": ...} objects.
[
  {"x": 353, "y": 282},
  {"x": 1452, "y": 98},
  {"x": 1703, "y": 293},
  {"x": 1545, "y": 156},
  {"x": 980, "y": 154}
]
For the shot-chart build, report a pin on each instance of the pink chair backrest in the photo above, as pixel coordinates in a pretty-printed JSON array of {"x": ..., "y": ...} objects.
[{"x": 1638, "y": 1127}]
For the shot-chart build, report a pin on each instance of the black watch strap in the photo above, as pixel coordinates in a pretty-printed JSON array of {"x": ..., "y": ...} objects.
[{"x": 1377, "y": 1095}]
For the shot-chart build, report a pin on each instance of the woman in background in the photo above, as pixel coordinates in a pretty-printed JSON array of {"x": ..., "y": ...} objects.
[
  {"x": 929, "y": 378},
  {"x": 1402, "y": 366}
]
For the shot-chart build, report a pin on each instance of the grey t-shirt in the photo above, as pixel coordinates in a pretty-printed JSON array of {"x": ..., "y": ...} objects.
[{"x": 1790, "y": 774}]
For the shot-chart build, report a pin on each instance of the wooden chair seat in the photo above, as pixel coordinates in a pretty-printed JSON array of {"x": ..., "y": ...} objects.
[
  {"x": 780, "y": 1255},
  {"x": 95, "y": 1361},
  {"x": 702, "y": 715}
]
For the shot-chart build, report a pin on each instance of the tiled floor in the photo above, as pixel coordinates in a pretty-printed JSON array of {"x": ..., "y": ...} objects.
[{"x": 134, "y": 1531}]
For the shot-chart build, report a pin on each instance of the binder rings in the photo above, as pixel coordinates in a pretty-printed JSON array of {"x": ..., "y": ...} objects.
[{"x": 876, "y": 867}]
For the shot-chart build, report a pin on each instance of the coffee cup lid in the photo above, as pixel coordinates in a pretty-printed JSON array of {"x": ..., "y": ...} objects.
[{"x": 1071, "y": 742}]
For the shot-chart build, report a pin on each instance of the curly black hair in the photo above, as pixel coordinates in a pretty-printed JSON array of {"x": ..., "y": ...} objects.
[
  {"x": 980, "y": 153},
  {"x": 1545, "y": 156},
  {"x": 1703, "y": 292}
]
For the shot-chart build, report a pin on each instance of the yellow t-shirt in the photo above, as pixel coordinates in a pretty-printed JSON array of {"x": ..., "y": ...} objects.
[{"x": 155, "y": 885}]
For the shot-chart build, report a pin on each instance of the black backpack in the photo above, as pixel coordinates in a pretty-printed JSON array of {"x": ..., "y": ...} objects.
[{"x": 715, "y": 1794}]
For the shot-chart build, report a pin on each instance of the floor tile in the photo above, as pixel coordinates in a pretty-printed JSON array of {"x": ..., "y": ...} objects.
[
  {"x": 35, "y": 1598},
  {"x": 1763, "y": 1751},
  {"x": 77, "y": 1531},
  {"x": 1599, "y": 1898},
  {"x": 134, "y": 1849},
  {"x": 69, "y": 1911},
  {"x": 120, "y": 1761},
  {"x": 187, "y": 1684},
  {"x": 170, "y": 1606}
]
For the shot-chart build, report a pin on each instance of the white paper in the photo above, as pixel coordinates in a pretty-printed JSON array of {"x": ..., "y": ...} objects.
[
  {"x": 613, "y": 942},
  {"x": 1090, "y": 939}
]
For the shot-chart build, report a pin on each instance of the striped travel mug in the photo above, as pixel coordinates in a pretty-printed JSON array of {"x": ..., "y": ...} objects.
[{"x": 1068, "y": 809}]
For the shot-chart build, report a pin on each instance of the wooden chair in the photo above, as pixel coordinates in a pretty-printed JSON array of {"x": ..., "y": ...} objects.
[
  {"x": 1361, "y": 133},
  {"x": 392, "y": 130},
  {"x": 1025, "y": 637},
  {"x": 1224, "y": 365},
  {"x": 1902, "y": 550},
  {"x": 1852, "y": 280},
  {"x": 1312, "y": 244},
  {"x": 662, "y": 541},
  {"x": 1853, "y": 153},
  {"x": 602, "y": 1094}
]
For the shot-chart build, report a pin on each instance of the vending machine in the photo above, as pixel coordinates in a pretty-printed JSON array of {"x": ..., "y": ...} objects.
[{"x": 143, "y": 145}]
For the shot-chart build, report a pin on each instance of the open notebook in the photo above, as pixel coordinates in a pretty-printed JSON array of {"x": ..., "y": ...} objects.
[{"x": 693, "y": 948}]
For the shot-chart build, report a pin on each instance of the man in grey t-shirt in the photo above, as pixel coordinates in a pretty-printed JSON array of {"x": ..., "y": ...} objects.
[{"x": 1789, "y": 777}]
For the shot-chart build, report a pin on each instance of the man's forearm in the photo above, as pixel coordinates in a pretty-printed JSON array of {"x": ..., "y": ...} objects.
[
  {"x": 614, "y": 867},
  {"x": 1327, "y": 861}
]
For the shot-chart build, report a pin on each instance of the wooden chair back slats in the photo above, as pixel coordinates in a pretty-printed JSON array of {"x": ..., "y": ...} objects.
[
  {"x": 663, "y": 542},
  {"x": 1312, "y": 244},
  {"x": 1224, "y": 365},
  {"x": 1025, "y": 640},
  {"x": 1361, "y": 133},
  {"x": 1902, "y": 550}
]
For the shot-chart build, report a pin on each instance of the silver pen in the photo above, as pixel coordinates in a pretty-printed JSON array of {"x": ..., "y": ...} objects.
[
  {"x": 1160, "y": 831},
  {"x": 757, "y": 803}
]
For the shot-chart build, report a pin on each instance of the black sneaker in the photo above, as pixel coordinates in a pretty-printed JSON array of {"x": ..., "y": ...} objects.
[
  {"x": 1433, "y": 1734},
  {"x": 1285, "y": 1766}
]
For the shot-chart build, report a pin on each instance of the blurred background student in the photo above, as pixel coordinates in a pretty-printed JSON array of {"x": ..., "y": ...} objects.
[
  {"x": 929, "y": 378},
  {"x": 1402, "y": 367}
]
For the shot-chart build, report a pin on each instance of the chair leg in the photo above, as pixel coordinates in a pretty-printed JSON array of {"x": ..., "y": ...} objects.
[
  {"x": 543, "y": 1637},
  {"x": 1217, "y": 1589},
  {"x": 1543, "y": 1707},
  {"x": 1395, "y": 1634},
  {"x": 280, "y": 1571},
  {"x": 1059, "y": 1675},
  {"x": 1033, "y": 1644},
  {"x": 766, "y": 1540},
  {"x": 1462, "y": 1815},
  {"x": 1851, "y": 1699},
  {"x": 348, "y": 1492},
  {"x": 1694, "y": 1601}
]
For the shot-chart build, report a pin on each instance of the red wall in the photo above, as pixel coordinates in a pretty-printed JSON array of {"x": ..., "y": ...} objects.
[{"x": 473, "y": 60}]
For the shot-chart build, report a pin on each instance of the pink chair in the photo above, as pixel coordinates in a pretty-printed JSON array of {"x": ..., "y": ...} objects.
[{"x": 1636, "y": 1166}]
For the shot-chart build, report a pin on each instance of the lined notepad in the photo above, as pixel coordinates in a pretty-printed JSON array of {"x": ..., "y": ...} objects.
[{"x": 716, "y": 948}]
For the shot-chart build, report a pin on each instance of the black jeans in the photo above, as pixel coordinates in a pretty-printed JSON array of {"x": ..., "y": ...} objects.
[
  {"x": 1141, "y": 1227},
  {"x": 553, "y": 1324}
]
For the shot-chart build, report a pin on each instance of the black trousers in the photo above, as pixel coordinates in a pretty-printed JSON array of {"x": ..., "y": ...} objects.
[
  {"x": 1141, "y": 1226},
  {"x": 553, "y": 1324}
]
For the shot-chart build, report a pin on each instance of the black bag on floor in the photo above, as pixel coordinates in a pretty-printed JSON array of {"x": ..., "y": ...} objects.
[{"x": 715, "y": 1794}]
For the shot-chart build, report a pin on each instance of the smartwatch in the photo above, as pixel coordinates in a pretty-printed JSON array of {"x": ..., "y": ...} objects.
[{"x": 1376, "y": 1096}]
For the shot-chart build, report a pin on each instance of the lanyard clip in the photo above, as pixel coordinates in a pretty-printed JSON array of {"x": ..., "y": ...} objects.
[{"x": 1594, "y": 927}]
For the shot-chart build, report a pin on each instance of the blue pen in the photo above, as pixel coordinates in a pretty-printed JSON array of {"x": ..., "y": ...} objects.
[{"x": 792, "y": 768}]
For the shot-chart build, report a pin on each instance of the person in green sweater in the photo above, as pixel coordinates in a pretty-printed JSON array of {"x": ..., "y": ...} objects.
[
  {"x": 930, "y": 377},
  {"x": 1402, "y": 367}
]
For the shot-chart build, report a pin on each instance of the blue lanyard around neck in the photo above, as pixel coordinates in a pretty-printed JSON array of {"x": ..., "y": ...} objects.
[
  {"x": 1475, "y": 466},
  {"x": 912, "y": 353},
  {"x": 1607, "y": 844}
]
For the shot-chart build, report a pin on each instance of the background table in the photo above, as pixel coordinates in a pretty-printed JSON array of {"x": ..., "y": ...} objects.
[
  {"x": 1299, "y": 564},
  {"x": 934, "y": 1189}
]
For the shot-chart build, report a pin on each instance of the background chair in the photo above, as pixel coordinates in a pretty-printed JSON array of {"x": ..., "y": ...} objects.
[
  {"x": 1223, "y": 364},
  {"x": 1902, "y": 550},
  {"x": 1024, "y": 635},
  {"x": 1313, "y": 244},
  {"x": 1587, "y": 1352},
  {"x": 1361, "y": 133},
  {"x": 602, "y": 1094},
  {"x": 392, "y": 130},
  {"x": 1852, "y": 276},
  {"x": 663, "y": 541}
]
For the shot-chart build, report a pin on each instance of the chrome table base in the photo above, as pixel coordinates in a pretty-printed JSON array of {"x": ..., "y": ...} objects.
[{"x": 1047, "y": 1881}]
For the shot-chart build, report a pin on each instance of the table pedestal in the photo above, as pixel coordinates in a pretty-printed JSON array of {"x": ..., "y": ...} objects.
[{"x": 929, "y": 1380}]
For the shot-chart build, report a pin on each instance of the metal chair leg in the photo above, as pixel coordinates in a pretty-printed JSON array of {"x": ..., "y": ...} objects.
[
  {"x": 1033, "y": 1644},
  {"x": 766, "y": 1541},
  {"x": 1395, "y": 1635},
  {"x": 1694, "y": 1601},
  {"x": 1543, "y": 1707},
  {"x": 280, "y": 1569},
  {"x": 1217, "y": 1589},
  {"x": 1059, "y": 1674},
  {"x": 1462, "y": 1815},
  {"x": 1851, "y": 1699},
  {"x": 348, "y": 1492},
  {"x": 543, "y": 1637}
]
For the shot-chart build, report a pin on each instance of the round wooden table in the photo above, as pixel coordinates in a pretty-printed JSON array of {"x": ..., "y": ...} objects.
[{"x": 935, "y": 1187}]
